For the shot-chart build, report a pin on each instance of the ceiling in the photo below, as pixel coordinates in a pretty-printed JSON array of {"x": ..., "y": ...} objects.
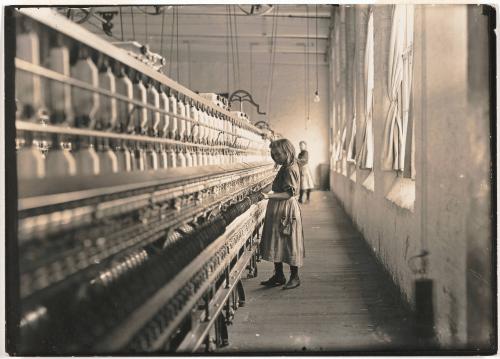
[{"x": 205, "y": 28}]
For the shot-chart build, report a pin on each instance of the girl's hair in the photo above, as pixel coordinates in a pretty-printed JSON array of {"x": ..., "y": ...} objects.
[{"x": 287, "y": 147}]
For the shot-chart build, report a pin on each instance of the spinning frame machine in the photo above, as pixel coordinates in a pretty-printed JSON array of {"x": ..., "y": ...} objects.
[{"x": 137, "y": 216}]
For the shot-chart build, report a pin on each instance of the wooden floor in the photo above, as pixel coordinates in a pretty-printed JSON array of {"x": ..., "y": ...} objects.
[{"x": 345, "y": 301}]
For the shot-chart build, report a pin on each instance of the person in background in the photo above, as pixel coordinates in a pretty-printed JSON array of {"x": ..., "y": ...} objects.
[
  {"x": 306, "y": 178},
  {"x": 282, "y": 235}
]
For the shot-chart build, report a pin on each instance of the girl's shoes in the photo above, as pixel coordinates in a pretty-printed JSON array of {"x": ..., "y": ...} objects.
[
  {"x": 275, "y": 281},
  {"x": 294, "y": 282}
]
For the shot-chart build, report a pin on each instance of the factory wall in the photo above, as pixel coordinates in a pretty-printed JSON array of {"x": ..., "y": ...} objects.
[
  {"x": 445, "y": 210},
  {"x": 206, "y": 72}
]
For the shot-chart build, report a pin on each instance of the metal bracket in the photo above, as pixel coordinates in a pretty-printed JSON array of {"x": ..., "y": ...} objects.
[
  {"x": 264, "y": 125},
  {"x": 107, "y": 25},
  {"x": 243, "y": 96}
]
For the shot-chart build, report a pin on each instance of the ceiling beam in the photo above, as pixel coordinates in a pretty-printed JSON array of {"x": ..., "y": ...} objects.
[
  {"x": 285, "y": 11},
  {"x": 247, "y": 37}
]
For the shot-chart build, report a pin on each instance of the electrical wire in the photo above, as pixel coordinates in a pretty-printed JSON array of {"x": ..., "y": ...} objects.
[
  {"x": 227, "y": 49},
  {"x": 307, "y": 67},
  {"x": 233, "y": 59},
  {"x": 251, "y": 68},
  {"x": 188, "y": 45},
  {"x": 162, "y": 32},
  {"x": 305, "y": 86},
  {"x": 274, "y": 30},
  {"x": 177, "y": 43},
  {"x": 273, "y": 25},
  {"x": 237, "y": 47},
  {"x": 171, "y": 49},
  {"x": 230, "y": 37},
  {"x": 232, "y": 44},
  {"x": 146, "y": 27},
  {"x": 121, "y": 22},
  {"x": 316, "y": 48},
  {"x": 270, "y": 64},
  {"x": 306, "y": 75},
  {"x": 275, "y": 42},
  {"x": 133, "y": 24},
  {"x": 235, "y": 56}
]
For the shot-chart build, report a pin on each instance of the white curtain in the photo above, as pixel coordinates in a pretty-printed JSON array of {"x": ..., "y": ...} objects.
[
  {"x": 343, "y": 151},
  {"x": 337, "y": 142},
  {"x": 407, "y": 85},
  {"x": 365, "y": 156},
  {"x": 400, "y": 70},
  {"x": 351, "y": 150},
  {"x": 336, "y": 147}
]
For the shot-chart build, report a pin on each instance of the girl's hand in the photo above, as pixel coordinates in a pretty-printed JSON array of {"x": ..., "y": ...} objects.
[{"x": 265, "y": 195}]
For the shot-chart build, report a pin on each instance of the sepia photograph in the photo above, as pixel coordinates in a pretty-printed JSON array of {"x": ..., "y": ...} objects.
[{"x": 250, "y": 179}]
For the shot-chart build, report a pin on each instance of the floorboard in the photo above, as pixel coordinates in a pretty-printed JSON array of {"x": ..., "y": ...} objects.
[{"x": 345, "y": 301}]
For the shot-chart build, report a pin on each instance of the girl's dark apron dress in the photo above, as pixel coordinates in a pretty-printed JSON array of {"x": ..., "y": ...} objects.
[{"x": 282, "y": 236}]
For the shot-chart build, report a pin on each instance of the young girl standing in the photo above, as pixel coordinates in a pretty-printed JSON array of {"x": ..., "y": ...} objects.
[
  {"x": 282, "y": 235},
  {"x": 306, "y": 178}
]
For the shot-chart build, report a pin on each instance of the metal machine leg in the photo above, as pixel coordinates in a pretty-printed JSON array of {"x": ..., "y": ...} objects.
[
  {"x": 206, "y": 304},
  {"x": 221, "y": 333},
  {"x": 207, "y": 343},
  {"x": 252, "y": 267},
  {"x": 226, "y": 275},
  {"x": 229, "y": 313},
  {"x": 241, "y": 293},
  {"x": 255, "y": 270}
]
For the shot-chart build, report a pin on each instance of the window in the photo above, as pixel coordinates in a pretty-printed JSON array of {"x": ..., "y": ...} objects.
[
  {"x": 365, "y": 156},
  {"x": 398, "y": 146},
  {"x": 351, "y": 149}
]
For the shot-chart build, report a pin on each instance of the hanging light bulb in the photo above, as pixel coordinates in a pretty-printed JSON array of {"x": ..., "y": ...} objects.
[
  {"x": 316, "y": 96},
  {"x": 316, "y": 93}
]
